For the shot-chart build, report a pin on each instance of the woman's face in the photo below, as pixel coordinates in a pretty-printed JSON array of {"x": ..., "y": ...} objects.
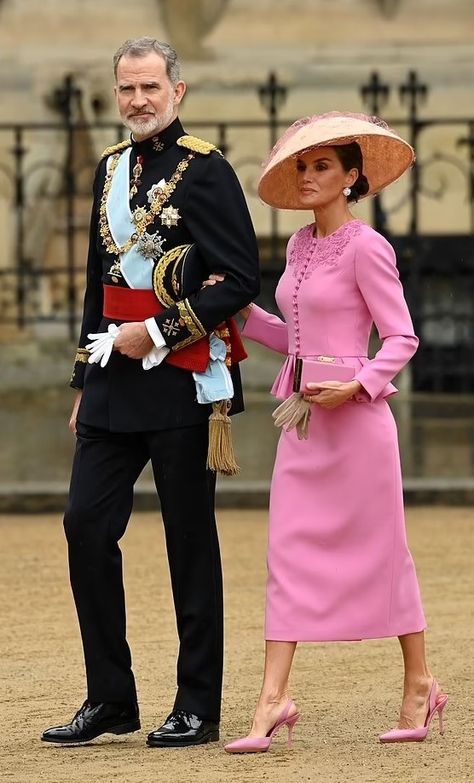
[{"x": 321, "y": 177}]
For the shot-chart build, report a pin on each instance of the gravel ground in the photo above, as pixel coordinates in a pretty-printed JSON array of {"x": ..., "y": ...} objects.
[{"x": 347, "y": 692}]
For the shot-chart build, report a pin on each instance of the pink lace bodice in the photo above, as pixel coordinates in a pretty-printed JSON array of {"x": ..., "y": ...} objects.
[{"x": 306, "y": 252}]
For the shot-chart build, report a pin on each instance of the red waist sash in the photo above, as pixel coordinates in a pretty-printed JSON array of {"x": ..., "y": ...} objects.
[
  {"x": 138, "y": 304},
  {"x": 130, "y": 304}
]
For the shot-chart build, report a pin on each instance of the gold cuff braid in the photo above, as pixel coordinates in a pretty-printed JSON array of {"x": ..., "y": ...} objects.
[
  {"x": 82, "y": 355},
  {"x": 193, "y": 324}
]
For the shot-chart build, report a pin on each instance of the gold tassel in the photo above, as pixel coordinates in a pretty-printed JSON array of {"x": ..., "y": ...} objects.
[{"x": 220, "y": 456}]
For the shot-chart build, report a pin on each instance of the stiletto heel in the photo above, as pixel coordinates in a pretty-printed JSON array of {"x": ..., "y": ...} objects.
[
  {"x": 262, "y": 744},
  {"x": 291, "y": 723},
  {"x": 436, "y": 704},
  {"x": 442, "y": 704}
]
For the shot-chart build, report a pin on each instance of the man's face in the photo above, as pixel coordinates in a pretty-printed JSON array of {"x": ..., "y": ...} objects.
[{"x": 146, "y": 99}]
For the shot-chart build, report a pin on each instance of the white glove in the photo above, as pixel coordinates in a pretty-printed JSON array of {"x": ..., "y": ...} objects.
[{"x": 102, "y": 345}]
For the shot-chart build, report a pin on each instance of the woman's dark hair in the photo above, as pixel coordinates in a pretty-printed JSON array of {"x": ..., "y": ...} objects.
[{"x": 350, "y": 156}]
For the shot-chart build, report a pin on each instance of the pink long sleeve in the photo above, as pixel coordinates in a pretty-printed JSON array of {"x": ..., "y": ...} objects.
[
  {"x": 266, "y": 329},
  {"x": 379, "y": 283}
]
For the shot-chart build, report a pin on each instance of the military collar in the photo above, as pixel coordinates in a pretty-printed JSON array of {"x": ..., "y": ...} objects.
[{"x": 160, "y": 142}]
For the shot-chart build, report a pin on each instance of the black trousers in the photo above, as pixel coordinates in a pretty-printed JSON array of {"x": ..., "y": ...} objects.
[{"x": 106, "y": 467}]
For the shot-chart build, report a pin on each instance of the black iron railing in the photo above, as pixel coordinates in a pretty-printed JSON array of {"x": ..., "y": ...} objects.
[{"x": 34, "y": 184}]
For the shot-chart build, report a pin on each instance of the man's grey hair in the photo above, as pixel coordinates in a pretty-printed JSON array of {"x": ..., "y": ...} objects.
[{"x": 140, "y": 47}]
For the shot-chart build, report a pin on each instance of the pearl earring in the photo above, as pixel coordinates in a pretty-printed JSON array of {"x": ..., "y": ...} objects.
[{"x": 346, "y": 192}]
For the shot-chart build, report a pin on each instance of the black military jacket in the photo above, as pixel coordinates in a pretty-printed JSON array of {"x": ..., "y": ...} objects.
[{"x": 207, "y": 209}]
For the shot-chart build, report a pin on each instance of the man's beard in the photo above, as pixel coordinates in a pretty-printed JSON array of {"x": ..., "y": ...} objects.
[{"x": 152, "y": 125}]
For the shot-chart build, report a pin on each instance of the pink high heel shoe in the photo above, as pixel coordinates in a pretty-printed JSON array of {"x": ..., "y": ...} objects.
[
  {"x": 262, "y": 744},
  {"x": 437, "y": 703}
]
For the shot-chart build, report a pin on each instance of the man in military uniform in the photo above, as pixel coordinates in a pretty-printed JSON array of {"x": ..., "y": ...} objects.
[{"x": 168, "y": 212}]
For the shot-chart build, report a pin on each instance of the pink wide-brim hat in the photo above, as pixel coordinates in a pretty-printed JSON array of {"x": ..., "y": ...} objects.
[{"x": 386, "y": 156}]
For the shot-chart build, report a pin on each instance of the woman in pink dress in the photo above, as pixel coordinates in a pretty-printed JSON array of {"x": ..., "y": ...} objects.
[{"x": 339, "y": 567}]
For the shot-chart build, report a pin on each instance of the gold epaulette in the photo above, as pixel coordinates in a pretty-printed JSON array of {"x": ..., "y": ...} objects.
[
  {"x": 197, "y": 145},
  {"x": 122, "y": 145}
]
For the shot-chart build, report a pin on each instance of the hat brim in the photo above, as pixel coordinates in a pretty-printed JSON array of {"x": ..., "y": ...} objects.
[{"x": 386, "y": 157}]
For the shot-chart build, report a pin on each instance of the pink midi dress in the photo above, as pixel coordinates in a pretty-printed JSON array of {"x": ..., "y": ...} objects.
[{"x": 339, "y": 567}]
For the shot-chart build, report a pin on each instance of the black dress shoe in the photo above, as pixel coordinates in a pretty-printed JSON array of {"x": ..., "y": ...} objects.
[
  {"x": 183, "y": 728},
  {"x": 94, "y": 719}
]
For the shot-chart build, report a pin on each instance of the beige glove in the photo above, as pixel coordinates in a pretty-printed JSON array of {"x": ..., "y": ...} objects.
[{"x": 293, "y": 412}]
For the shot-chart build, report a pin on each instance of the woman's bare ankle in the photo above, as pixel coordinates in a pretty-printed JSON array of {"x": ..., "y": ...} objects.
[
  {"x": 269, "y": 698},
  {"x": 418, "y": 683}
]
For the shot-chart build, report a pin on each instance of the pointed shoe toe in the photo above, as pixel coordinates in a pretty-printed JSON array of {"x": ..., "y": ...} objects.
[
  {"x": 248, "y": 745},
  {"x": 262, "y": 744},
  {"x": 404, "y": 735}
]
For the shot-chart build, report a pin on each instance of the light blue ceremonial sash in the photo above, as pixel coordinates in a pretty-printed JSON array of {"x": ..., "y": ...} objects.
[
  {"x": 136, "y": 269},
  {"x": 216, "y": 382}
]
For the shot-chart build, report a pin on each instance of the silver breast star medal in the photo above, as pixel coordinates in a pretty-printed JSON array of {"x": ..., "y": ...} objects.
[
  {"x": 151, "y": 245},
  {"x": 169, "y": 217}
]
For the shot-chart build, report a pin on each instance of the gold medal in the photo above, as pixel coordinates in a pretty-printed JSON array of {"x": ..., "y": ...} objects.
[{"x": 136, "y": 174}]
